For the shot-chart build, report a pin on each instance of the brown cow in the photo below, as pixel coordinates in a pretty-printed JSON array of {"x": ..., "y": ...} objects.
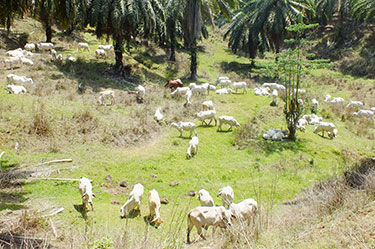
[{"x": 173, "y": 84}]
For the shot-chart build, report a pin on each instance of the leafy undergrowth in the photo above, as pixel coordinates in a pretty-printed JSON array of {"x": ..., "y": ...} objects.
[{"x": 123, "y": 141}]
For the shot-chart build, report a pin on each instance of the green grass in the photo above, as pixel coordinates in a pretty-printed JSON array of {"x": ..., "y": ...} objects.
[{"x": 270, "y": 172}]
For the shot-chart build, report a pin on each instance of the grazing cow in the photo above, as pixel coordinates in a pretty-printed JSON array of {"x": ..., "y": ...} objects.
[
  {"x": 364, "y": 113},
  {"x": 106, "y": 94},
  {"x": 231, "y": 121},
  {"x": 44, "y": 46},
  {"x": 227, "y": 195},
  {"x": 328, "y": 127},
  {"x": 208, "y": 105},
  {"x": 158, "y": 116},
  {"x": 180, "y": 91},
  {"x": 240, "y": 85},
  {"x": 187, "y": 126},
  {"x": 193, "y": 147},
  {"x": 245, "y": 210},
  {"x": 209, "y": 114},
  {"x": 134, "y": 201},
  {"x": 100, "y": 53},
  {"x": 203, "y": 217},
  {"x": 105, "y": 47},
  {"x": 173, "y": 84},
  {"x": 85, "y": 189},
  {"x": 154, "y": 203},
  {"x": 83, "y": 46}
]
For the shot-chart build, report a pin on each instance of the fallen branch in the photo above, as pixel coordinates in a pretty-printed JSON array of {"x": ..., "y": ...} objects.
[
  {"x": 53, "y": 213},
  {"x": 69, "y": 160},
  {"x": 55, "y": 179},
  {"x": 53, "y": 228},
  {"x": 13, "y": 236}
]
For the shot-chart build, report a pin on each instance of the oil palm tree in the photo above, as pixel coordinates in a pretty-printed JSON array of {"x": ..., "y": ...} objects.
[
  {"x": 9, "y": 9},
  {"x": 122, "y": 19},
  {"x": 364, "y": 10},
  {"x": 199, "y": 13}
]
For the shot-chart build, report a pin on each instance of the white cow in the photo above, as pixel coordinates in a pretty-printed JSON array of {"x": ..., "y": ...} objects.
[
  {"x": 180, "y": 91},
  {"x": 354, "y": 105},
  {"x": 11, "y": 62},
  {"x": 328, "y": 127},
  {"x": 364, "y": 113},
  {"x": 141, "y": 92},
  {"x": 224, "y": 91},
  {"x": 203, "y": 217},
  {"x": 231, "y": 121},
  {"x": 220, "y": 78},
  {"x": 245, "y": 210},
  {"x": 106, "y": 94},
  {"x": 30, "y": 47},
  {"x": 240, "y": 85},
  {"x": 208, "y": 105},
  {"x": 12, "y": 78},
  {"x": 262, "y": 91},
  {"x": 209, "y": 114},
  {"x": 205, "y": 198},
  {"x": 225, "y": 83},
  {"x": 188, "y": 95},
  {"x": 85, "y": 189},
  {"x": 185, "y": 126},
  {"x": 100, "y": 53},
  {"x": 315, "y": 104},
  {"x": 44, "y": 46},
  {"x": 26, "y": 61},
  {"x": 134, "y": 201},
  {"x": 16, "y": 89},
  {"x": 227, "y": 195},
  {"x": 158, "y": 116},
  {"x": 83, "y": 46},
  {"x": 274, "y": 97},
  {"x": 154, "y": 204},
  {"x": 193, "y": 147},
  {"x": 105, "y": 47}
]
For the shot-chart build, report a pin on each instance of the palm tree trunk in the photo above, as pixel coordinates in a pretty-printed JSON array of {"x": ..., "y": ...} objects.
[
  {"x": 173, "y": 46},
  {"x": 253, "y": 46},
  {"x": 48, "y": 33},
  {"x": 119, "y": 49},
  {"x": 193, "y": 58}
]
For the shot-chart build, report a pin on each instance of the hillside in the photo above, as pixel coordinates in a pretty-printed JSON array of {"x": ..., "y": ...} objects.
[{"x": 122, "y": 142}]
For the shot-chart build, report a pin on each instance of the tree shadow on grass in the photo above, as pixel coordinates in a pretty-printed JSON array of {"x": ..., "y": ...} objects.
[
  {"x": 80, "y": 209},
  {"x": 12, "y": 197},
  {"x": 242, "y": 69},
  {"x": 96, "y": 75},
  {"x": 270, "y": 147},
  {"x": 14, "y": 40}
]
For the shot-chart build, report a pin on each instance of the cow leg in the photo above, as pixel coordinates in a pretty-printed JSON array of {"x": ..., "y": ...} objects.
[
  {"x": 210, "y": 121},
  {"x": 215, "y": 121},
  {"x": 190, "y": 226},
  {"x": 195, "y": 132},
  {"x": 200, "y": 232}
]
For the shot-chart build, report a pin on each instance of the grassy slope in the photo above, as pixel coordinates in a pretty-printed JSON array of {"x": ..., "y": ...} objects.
[{"x": 268, "y": 172}]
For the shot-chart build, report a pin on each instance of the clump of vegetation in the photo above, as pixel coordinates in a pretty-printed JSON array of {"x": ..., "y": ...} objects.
[{"x": 40, "y": 123}]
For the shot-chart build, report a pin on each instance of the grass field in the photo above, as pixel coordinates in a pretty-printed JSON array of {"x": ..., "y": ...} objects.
[{"x": 101, "y": 142}]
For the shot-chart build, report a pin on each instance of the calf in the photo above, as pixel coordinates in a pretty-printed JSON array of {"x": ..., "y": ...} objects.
[
  {"x": 100, "y": 53},
  {"x": 187, "y": 126},
  {"x": 134, "y": 201},
  {"x": 208, "y": 105},
  {"x": 12, "y": 78},
  {"x": 180, "y": 91},
  {"x": 203, "y": 217},
  {"x": 85, "y": 189},
  {"x": 29, "y": 47}
]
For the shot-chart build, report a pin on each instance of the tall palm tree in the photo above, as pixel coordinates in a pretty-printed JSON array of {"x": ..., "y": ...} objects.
[
  {"x": 11, "y": 8},
  {"x": 49, "y": 12},
  {"x": 174, "y": 11},
  {"x": 122, "y": 19},
  {"x": 197, "y": 14}
]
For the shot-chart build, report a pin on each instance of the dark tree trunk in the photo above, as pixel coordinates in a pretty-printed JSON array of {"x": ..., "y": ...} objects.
[
  {"x": 193, "y": 58},
  {"x": 173, "y": 46},
  {"x": 118, "y": 44},
  {"x": 253, "y": 47},
  {"x": 48, "y": 33}
]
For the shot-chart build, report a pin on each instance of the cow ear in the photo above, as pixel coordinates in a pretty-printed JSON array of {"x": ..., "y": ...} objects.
[
  {"x": 233, "y": 216},
  {"x": 85, "y": 196},
  {"x": 93, "y": 195}
]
